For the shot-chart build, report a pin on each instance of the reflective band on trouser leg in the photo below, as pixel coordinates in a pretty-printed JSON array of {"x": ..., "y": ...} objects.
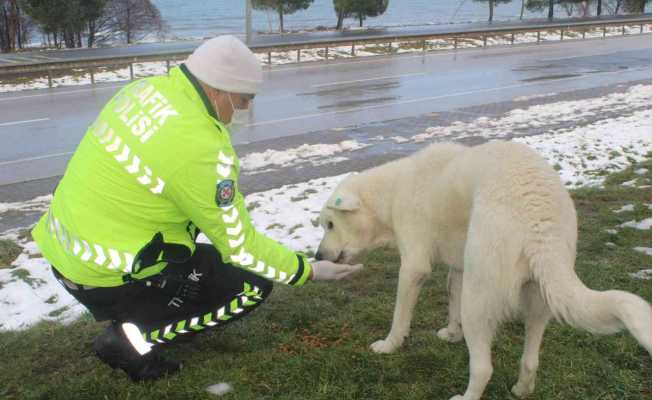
[
  {"x": 134, "y": 336},
  {"x": 241, "y": 304}
]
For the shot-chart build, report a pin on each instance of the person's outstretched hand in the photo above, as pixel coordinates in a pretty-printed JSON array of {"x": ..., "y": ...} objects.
[{"x": 329, "y": 271}]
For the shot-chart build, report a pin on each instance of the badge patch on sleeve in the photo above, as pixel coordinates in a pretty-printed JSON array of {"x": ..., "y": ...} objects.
[{"x": 225, "y": 193}]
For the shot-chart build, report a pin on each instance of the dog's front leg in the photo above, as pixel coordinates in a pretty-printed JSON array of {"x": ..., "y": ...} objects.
[{"x": 412, "y": 274}]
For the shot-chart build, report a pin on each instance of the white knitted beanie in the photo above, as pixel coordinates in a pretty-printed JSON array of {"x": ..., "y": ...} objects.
[{"x": 227, "y": 64}]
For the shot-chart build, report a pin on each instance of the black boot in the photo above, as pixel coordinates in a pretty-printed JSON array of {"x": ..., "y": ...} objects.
[{"x": 113, "y": 348}]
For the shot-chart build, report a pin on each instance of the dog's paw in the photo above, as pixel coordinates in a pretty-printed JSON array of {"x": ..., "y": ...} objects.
[
  {"x": 384, "y": 346},
  {"x": 523, "y": 390},
  {"x": 449, "y": 335}
]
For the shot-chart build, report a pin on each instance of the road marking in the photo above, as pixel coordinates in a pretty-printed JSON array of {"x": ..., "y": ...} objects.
[
  {"x": 35, "y": 158},
  {"x": 443, "y": 96},
  {"x": 63, "y": 92},
  {"x": 28, "y": 121},
  {"x": 368, "y": 79}
]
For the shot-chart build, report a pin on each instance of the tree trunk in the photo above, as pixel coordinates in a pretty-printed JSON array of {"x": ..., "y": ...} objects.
[
  {"x": 280, "y": 18},
  {"x": 19, "y": 28},
  {"x": 599, "y": 12},
  {"x": 361, "y": 16},
  {"x": 618, "y": 3},
  {"x": 4, "y": 37},
  {"x": 522, "y": 8},
  {"x": 128, "y": 25},
  {"x": 491, "y": 11},
  {"x": 551, "y": 9},
  {"x": 91, "y": 34},
  {"x": 340, "y": 19}
]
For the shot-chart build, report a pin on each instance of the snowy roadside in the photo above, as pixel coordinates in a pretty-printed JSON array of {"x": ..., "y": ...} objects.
[
  {"x": 581, "y": 149},
  {"x": 82, "y": 77}
]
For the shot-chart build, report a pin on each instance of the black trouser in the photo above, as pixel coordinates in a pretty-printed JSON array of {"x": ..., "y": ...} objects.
[{"x": 227, "y": 293}]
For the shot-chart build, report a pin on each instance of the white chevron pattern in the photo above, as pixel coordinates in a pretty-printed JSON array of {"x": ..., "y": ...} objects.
[
  {"x": 123, "y": 155},
  {"x": 88, "y": 252}
]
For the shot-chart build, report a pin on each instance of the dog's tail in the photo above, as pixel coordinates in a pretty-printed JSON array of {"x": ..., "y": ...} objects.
[{"x": 598, "y": 312}]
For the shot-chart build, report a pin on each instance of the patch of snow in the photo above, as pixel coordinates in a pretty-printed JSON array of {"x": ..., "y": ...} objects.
[
  {"x": 220, "y": 389},
  {"x": 644, "y": 250},
  {"x": 643, "y": 225},
  {"x": 625, "y": 208},
  {"x": 644, "y": 274},
  {"x": 314, "y": 153}
]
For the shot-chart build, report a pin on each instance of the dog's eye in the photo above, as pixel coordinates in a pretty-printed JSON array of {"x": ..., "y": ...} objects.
[{"x": 330, "y": 225}]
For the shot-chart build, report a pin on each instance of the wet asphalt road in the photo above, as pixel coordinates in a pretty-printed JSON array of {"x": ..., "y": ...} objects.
[{"x": 40, "y": 129}]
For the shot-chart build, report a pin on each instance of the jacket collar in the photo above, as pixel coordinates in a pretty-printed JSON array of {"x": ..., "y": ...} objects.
[{"x": 200, "y": 91}]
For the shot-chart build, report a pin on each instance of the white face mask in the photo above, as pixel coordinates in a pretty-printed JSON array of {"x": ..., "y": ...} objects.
[{"x": 240, "y": 118}]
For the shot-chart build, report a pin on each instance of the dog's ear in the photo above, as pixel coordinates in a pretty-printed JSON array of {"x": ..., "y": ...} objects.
[{"x": 344, "y": 202}]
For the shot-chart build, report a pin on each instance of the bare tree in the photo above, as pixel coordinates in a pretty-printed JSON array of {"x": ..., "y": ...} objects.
[
  {"x": 131, "y": 19},
  {"x": 11, "y": 32}
]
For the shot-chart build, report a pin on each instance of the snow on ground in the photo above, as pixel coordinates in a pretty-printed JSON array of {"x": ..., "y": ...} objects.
[
  {"x": 644, "y": 274},
  {"x": 644, "y": 250},
  {"x": 583, "y": 152},
  {"x": 289, "y": 214},
  {"x": 29, "y": 292},
  {"x": 313, "y": 153},
  {"x": 40, "y": 203},
  {"x": 586, "y": 154},
  {"x": 82, "y": 77},
  {"x": 643, "y": 225},
  {"x": 625, "y": 208}
]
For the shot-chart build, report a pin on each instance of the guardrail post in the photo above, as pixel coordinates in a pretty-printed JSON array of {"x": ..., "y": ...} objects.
[
  {"x": 423, "y": 46},
  {"x": 131, "y": 71},
  {"x": 49, "y": 79},
  {"x": 298, "y": 55},
  {"x": 623, "y": 30},
  {"x": 92, "y": 71},
  {"x": 583, "y": 35},
  {"x": 353, "y": 50},
  {"x": 561, "y": 36},
  {"x": 269, "y": 58},
  {"x": 455, "y": 43},
  {"x": 512, "y": 37},
  {"x": 167, "y": 65},
  {"x": 538, "y": 36},
  {"x": 604, "y": 31},
  {"x": 484, "y": 40},
  {"x": 641, "y": 28},
  {"x": 326, "y": 53}
]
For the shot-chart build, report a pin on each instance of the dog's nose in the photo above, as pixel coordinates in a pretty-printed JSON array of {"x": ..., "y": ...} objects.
[{"x": 319, "y": 256}]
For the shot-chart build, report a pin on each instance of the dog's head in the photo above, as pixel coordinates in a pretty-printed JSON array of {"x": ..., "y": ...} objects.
[{"x": 350, "y": 226}]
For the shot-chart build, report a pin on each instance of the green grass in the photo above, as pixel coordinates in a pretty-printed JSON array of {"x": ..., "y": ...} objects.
[
  {"x": 313, "y": 342},
  {"x": 9, "y": 250}
]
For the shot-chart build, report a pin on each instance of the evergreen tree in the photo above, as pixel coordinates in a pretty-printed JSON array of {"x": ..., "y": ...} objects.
[
  {"x": 360, "y": 9},
  {"x": 282, "y": 7},
  {"x": 492, "y": 6}
]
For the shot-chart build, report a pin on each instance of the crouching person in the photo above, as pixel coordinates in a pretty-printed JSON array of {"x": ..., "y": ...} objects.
[{"x": 155, "y": 169}]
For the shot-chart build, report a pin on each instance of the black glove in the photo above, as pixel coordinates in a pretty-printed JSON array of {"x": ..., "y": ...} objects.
[{"x": 174, "y": 285}]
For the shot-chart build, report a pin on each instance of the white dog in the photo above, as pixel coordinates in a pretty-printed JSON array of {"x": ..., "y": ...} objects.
[{"x": 499, "y": 217}]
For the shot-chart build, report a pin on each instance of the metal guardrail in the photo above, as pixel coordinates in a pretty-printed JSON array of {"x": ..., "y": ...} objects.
[{"x": 454, "y": 34}]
